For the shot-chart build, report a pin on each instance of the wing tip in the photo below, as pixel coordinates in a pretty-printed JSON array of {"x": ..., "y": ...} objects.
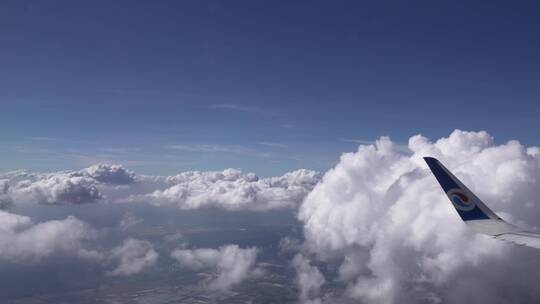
[{"x": 430, "y": 160}]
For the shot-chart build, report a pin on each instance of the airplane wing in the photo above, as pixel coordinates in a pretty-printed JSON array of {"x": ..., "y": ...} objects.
[{"x": 475, "y": 213}]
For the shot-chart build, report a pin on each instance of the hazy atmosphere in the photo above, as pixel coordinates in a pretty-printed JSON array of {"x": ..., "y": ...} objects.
[{"x": 265, "y": 151}]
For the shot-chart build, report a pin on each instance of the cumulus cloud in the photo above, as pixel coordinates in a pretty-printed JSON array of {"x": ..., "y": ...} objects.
[
  {"x": 231, "y": 264},
  {"x": 58, "y": 189},
  {"x": 309, "y": 279},
  {"x": 23, "y": 241},
  {"x": 382, "y": 217},
  {"x": 64, "y": 187},
  {"x": 109, "y": 174},
  {"x": 233, "y": 190},
  {"x": 134, "y": 256},
  {"x": 378, "y": 218},
  {"x": 229, "y": 189}
]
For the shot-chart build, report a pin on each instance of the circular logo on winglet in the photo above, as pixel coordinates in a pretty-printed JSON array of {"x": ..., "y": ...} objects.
[{"x": 460, "y": 200}]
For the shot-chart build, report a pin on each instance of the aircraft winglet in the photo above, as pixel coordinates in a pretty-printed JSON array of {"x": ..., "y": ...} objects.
[
  {"x": 468, "y": 206},
  {"x": 475, "y": 213}
]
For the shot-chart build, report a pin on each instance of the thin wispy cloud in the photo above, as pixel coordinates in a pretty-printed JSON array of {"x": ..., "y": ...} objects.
[
  {"x": 43, "y": 138},
  {"x": 52, "y": 139},
  {"x": 218, "y": 148},
  {"x": 32, "y": 150},
  {"x": 402, "y": 147},
  {"x": 87, "y": 159},
  {"x": 272, "y": 144},
  {"x": 358, "y": 141},
  {"x": 242, "y": 108},
  {"x": 119, "y": 150},
  {"x": 209, "y": 148}
]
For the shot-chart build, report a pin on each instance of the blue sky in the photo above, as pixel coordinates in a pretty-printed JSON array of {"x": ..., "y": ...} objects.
[{"x": 264, "y": 86}]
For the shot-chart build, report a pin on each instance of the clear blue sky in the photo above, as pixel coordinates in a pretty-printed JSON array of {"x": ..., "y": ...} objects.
[{"x": 264, "y": 86}]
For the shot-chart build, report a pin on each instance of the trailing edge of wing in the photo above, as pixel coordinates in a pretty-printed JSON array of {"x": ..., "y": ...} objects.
[
  {"x": 475, "y": 213},
  {"x": 528, "y": 239}
]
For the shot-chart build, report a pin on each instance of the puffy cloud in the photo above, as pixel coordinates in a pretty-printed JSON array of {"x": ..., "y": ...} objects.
[
  {"x": 134, "y": 256},
  {"x": 231, "y": 263},
  {"x": 234, "y": 190},
  {"x": 309, "y": 280},
  {"x": 230, "y": 189},
  {"x": 383, "y": 218},
  {"x": 109, "y": 174},
  {"x": 58, "y": 189},
  {"x": 64, "y": 187},
  {"x": 23, "y": 241}
]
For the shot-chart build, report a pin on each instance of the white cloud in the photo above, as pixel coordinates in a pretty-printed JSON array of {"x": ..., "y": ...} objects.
[
  {"x": 57, "y": 189},
  {"x": 211, "y": 148},
  {"x": 233, "y": 190},
  {"x": 64, "y": 187},
  {"x": 134, "y": 256},
  {"x": 242, "y": 108},
  {"x": 23, "y": 241},
  {"x": 219, "y": 148},
  {"x": 383, "y": 215},
  {"x": 273, "y": 144},
  {"x": 378, "y": 218},
  {"x": 231, "y": 263},
  {"x": 230, "y": 189},
  {"x": 109, "y": 174},
  {"x": 44, "y": 138},
  {"x": 67, "y": 187},
  {"x": 401, "y": 147},
  {"x": 309, "y": 280}
]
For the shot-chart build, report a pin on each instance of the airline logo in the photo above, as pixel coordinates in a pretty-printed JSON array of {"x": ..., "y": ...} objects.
[{"x": 460, "y": 200}]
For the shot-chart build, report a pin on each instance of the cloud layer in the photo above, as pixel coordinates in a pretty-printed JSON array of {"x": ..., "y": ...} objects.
[
  {"x": 230, "y": 189},
  {"x": 381, "y": 216},
  {"x": 377, "y": 223},
  {"x": 230, "y": 263},
  {"x": 234, "y": 190}
]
